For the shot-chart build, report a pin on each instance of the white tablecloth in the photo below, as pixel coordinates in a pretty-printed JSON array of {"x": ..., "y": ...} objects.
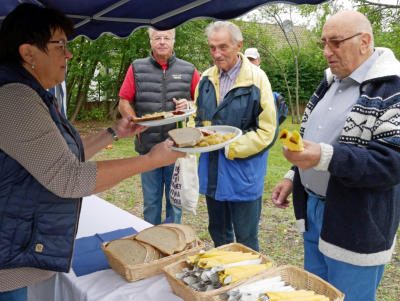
[{"x": 99, "y": 216}]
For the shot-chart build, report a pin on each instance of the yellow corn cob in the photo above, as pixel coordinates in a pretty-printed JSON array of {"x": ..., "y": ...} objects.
[
  {"x": 210, "y": 254},
  {"x": 292, "y": 140},
  {"x": 295, "y": 296},
  {"x": 226, "y": 259},
  {"x": 195, "y": 258},
  {"x": 306, "y": 298},
  {"x": 192, "y": 259},
  {"x": 215, "y": 252},
  {"x": 235, "y": 273}
]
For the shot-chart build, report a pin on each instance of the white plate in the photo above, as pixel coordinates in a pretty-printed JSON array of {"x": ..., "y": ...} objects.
[
  {"x": 222, "y": 129},
  {"x": 169, "y": 120}
]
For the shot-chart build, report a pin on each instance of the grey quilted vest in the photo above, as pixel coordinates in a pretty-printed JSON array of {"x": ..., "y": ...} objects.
[{"x": 155, "y": 89}]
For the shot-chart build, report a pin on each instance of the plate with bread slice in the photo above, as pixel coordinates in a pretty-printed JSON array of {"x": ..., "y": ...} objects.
[
  {"x": 162, "y": 118},
  {"x": 203, "y": 139}
]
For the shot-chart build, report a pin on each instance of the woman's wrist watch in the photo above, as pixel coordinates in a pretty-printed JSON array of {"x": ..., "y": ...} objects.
[{"x": 113, "y": 133}]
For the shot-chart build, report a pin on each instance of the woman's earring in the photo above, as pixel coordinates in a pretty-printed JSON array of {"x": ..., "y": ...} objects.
[{"x": 33, "y": 66}]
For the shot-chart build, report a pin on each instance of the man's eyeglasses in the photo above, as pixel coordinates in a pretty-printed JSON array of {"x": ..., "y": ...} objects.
[
  {"x": 159, "y": 39},
  {"x": 334, "y": 43},
  {"x": 63, "y": 44}
]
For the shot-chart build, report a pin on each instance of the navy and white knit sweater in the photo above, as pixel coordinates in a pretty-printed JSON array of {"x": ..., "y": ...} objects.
[{"x": 362, "y": 208}]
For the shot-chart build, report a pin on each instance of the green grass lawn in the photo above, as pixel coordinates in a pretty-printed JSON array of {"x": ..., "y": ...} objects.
[{"x": 277, "y": 231}]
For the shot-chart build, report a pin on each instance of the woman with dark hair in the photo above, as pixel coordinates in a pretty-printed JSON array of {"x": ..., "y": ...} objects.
[{"x": 44, "y": 172}]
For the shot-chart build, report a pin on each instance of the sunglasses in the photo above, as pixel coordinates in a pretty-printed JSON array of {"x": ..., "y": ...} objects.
[{"x": 334, "y": 43}]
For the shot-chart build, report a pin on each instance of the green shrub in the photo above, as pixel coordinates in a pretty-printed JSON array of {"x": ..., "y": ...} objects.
[
  {"x": 99, "y": 114},
  {"x": 311, "y": 67}
]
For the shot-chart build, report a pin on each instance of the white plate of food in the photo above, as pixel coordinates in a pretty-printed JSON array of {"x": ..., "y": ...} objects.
[
  {"x": 162, "y": 118},
  {"x": 211, "y": 138}
]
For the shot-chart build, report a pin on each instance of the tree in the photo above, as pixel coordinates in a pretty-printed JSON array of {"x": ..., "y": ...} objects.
[
  {"x": 191, "y": 44},
  {"x": 273, "y": 13},
  {"x": 111, "y": 57},
  {"x": 378, "y": 4},
  {"x": 98, "y": 68},
  {"x": 257, "y": 36},
  {"x": 384, "y": 18}
]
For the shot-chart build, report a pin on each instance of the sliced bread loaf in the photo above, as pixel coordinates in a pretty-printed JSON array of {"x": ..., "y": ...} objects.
[
  {"x": 165, "y": 239},
  {"x": 187, "y": 230},
  {"x": 184, "y": 137},
  {"x": 128, "y": 251},
  {"x": 179, "y": 231}
]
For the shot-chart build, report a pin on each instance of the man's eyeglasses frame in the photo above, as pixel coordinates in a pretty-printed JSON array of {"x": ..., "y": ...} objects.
[
  {"x": 160, "y": 39},
  {"x": 335, "y": 43}
]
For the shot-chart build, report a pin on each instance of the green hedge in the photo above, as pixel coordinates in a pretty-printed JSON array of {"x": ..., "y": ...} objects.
[{"x": 311, "y": 67}]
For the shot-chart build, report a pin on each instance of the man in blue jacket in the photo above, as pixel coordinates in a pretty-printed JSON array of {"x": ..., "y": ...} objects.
[
  {"x": 346, "y": 182},
  {"x": 234, "y": 92}
]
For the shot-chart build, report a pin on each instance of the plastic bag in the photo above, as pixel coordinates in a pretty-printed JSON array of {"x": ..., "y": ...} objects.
[{"x": 184, "y": 190}]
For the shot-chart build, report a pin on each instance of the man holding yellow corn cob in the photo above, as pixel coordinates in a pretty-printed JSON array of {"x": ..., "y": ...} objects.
[{"x": 345, "y": 183}]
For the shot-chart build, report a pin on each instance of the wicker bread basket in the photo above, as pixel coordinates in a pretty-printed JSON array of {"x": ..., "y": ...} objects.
[
  {"x": 140, "y": 271},
  {"x": 299, "y": 279},
  {"x": 185, "y": 292}
]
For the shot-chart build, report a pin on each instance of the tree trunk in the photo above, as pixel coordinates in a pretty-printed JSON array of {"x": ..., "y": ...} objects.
[
  {"x": 286, "y": 81},
  {"x": 113, "y": 107},
  {"x": 295, "y": 55},
  {"x": 83, "y": 90},
  {"x": 297, "y": 89},
  {"x": 71, "y": 80}
]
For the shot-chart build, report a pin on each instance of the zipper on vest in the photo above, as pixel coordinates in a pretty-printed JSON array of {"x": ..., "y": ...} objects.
[
  {"x": 164, "y": 76},
  {"x": 66, "y": 126}
]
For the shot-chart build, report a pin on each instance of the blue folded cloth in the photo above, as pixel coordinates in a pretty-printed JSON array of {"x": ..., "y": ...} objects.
[{"x": 88, "y": 255}]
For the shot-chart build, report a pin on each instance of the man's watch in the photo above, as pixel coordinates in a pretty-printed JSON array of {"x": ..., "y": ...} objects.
[{"x": 113, "y": 133}]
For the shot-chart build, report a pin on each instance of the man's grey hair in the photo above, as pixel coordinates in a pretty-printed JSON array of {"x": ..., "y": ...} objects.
[
  {"x": 151, "y": 29},
  {"x": 234, "y": 30},
  {"x": 367, "y": 28}
]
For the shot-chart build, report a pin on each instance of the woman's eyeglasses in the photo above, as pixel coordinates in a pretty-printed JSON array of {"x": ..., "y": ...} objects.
[
  {"x": 63, "y": 44},
  {"x": 334, "y": 43}
]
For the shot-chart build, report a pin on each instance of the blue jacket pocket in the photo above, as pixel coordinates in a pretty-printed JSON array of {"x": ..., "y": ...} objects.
[{"x": 241, "y": 180}]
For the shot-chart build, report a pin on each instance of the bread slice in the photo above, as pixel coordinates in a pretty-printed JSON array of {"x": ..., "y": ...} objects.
[
  {"x": 158, "y": 254},
  {"x": 153, "y": 116},
  {"x": 150, "y": 252},
  {"x": 165, "y": 239},
  {"x": 184, "y": 137},
  {"x": 128, "y": 251},
  {"x": 189, "y": 233},
  {"x": 181, "y": 233}
]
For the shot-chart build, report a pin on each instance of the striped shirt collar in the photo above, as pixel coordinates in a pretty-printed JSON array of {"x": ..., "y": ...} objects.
[
  {"x": 233, "y": 72},
  {"x": 228, "y": 78}
]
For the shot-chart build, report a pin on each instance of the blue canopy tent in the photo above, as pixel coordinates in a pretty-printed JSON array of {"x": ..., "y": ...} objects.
[
  {"x": 121, "y": 17},
  {"x": 92, "y": 18}
]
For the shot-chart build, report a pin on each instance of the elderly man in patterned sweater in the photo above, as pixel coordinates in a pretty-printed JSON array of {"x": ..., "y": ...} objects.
[{"x": 346, "y": 182}]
